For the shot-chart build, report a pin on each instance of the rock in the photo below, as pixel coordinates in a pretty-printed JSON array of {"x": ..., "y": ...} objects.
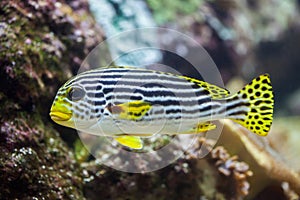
[{"x": 42, "y": 44}]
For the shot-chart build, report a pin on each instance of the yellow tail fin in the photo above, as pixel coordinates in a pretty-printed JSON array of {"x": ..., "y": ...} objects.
[{"x": 259, "y": 98}]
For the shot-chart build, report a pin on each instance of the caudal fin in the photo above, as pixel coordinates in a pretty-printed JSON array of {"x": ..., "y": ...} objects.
[{"x": 258, "y": 99}]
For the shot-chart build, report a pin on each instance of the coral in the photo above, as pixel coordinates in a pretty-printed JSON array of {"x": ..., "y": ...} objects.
[
  {"x": 235, "y": 171},
  {"x": 187, "y": 178}
]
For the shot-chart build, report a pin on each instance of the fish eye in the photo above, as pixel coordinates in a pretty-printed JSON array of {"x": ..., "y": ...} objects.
[{"x": 75, "y": 93}]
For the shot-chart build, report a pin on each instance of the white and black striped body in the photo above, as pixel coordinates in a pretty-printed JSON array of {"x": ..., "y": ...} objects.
[{"x": 177, "y": 103}]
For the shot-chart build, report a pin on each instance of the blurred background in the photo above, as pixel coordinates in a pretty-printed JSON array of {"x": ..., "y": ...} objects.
[{"x": 244, "y": 38}]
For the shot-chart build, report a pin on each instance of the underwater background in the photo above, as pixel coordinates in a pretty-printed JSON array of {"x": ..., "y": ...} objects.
[{"x": 44, "y": 43}]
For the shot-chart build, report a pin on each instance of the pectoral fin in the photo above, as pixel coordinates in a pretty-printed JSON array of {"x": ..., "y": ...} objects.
[
  {"x": 131, "y": 111},
  {"x": 132, "y": 142}
]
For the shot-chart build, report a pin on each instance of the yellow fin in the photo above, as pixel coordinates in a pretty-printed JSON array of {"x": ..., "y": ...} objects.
[
  {"x": 132, "y": 142},
  {"x": 202, "y": 127},
  {"x": 214, "y": 91},
  {"x": 134, "y": 110},
  {"x": 206, "y": 126},
  {"x": 260, "y": 100}
]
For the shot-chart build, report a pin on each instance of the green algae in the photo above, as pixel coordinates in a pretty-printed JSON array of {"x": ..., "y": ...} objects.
[{"x": 174, "y": 9}]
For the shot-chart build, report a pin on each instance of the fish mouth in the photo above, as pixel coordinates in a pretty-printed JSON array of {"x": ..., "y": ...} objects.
[
  {"x": 60, "y": 116},
  {"x": 59, "y": 112}
]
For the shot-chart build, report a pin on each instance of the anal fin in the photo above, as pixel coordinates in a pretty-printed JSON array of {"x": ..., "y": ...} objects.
[
  {"x": 132, "y": 142},
  {"x": 202, "y": 127}
]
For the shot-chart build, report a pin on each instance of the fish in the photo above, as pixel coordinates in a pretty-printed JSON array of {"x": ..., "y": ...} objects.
[{"x": 128, "y": 103}]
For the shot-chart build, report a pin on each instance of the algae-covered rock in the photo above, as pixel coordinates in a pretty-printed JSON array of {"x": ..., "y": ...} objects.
[
  {"x": 42, "y": 43},
  {"x": 36, "y": 163}
]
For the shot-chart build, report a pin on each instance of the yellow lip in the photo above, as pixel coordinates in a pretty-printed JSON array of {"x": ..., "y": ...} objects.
[
  {"x": 60, "y": 112},
  {"x": 60, "y": 116}
]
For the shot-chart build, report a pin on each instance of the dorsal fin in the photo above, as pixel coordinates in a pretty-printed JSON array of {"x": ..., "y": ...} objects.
[{"x": 215, "y": 91}]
